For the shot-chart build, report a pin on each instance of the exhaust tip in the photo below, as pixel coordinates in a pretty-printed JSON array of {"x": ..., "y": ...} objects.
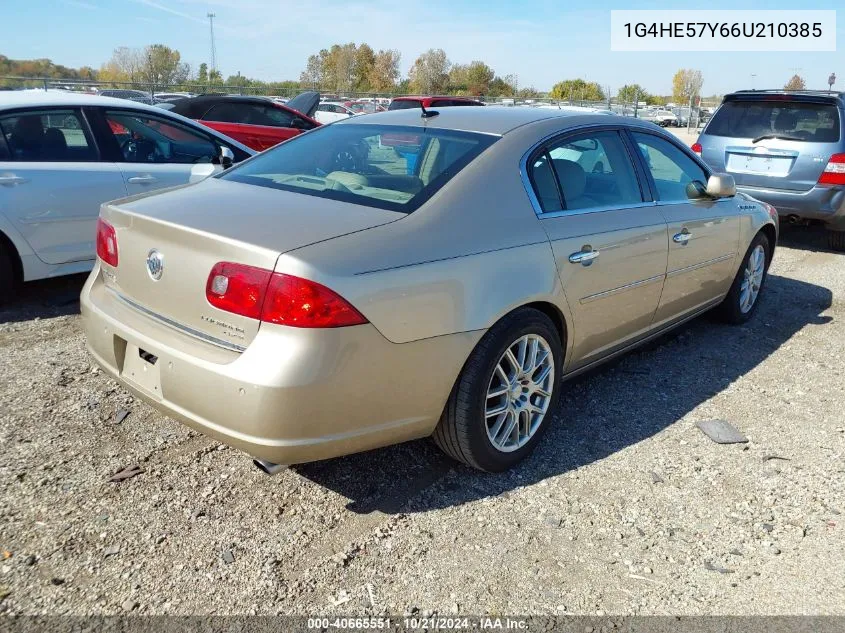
[{"x": 268, "y": 468}]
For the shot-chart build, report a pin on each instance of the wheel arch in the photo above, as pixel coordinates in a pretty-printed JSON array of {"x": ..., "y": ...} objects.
[
  {"x": 8, "y": 246},
  {"x": 771, "y": 233}
]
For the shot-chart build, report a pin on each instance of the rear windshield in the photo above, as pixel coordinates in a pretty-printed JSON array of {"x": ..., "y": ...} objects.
[
  {"x": 808, "y": 122},
  {"x": 388, "y": 167},
  {"x": 403, "y": 104}
]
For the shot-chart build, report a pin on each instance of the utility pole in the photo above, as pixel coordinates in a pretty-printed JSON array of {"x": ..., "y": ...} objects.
[
  {"x": 211, "y": 17},
  {"x": 753, "y": 77}
]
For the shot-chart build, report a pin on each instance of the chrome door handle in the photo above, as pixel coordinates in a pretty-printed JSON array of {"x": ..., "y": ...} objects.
[
  {"x": 9, "y": 181},
  {"x": 583, "y": 257},
  {"x": 142, "y": 180},
  {"x": 682, "y": 237}
]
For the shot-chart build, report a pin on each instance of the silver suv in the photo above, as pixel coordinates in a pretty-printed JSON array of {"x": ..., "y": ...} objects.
[{"x": 786, "y": 148}]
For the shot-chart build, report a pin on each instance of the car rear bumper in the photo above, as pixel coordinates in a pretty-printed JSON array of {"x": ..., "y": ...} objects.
[
  {"x": 294, "y": 395},
  {"x": 826, "y": 203}
]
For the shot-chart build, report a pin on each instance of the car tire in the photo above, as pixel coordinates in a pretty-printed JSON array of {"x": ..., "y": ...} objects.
[
  {"x": 836, "y": 240},
  {"x": 8, "y": 278},
  {"x": 735, "y": 308},
  {"x": 464, "y": 433}
]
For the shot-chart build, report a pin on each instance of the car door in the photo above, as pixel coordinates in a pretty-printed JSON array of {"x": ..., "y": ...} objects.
[
  {"x": 54, "y": 180},
  {"x": 703, "y": 233},
  {"x": 155, "y": 151},
  {"x": 250, "y": 124},
  {"x": 608, "y": 238}
]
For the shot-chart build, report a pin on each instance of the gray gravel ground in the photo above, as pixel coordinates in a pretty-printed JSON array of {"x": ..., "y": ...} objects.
[{"x": 627, "y": 508}]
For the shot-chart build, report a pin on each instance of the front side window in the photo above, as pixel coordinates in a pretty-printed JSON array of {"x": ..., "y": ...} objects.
[
  {"x": 672, "y": 170},
  {"x": 52, "y": 136},
  {"x": 586, "y": 171},
  {"x": 147, "y": 139},
  {"x": 388, "y": 167}
]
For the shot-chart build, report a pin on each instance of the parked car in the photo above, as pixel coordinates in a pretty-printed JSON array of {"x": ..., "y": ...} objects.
[
  {"x": 138, "y": 96},
  {"x": 357, "y": 303},
  {"x": 165, "y": 97},
  {"x": 257, "y": 122},
  {"x": 328, "y": 112},
  {"x": 784, "y": 147},
  {"x": 63, "y": 154},
  {"x": 414, "y": 102}
]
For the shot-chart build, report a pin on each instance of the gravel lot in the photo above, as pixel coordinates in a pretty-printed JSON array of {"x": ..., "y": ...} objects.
[{"x": 627, "y": 508}]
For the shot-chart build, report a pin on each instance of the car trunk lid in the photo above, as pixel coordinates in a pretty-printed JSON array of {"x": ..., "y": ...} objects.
[{"x": 191, "y": 229}]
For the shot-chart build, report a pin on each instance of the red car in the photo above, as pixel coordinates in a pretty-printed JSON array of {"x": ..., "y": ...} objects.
[
  {"x": 257, "y": 122},
  {"x": 406, "y": 103}
]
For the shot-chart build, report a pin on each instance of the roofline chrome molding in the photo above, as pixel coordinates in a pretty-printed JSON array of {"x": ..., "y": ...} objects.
[{"x": 645, "y": 128}]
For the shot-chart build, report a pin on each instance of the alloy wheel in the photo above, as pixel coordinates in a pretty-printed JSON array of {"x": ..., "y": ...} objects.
[{"x": 519, "y": 393}]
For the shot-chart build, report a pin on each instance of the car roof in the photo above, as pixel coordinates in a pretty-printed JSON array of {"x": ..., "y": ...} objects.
[
  {"x": 50, "y": 98},
  {"x": 18, "y": 98},
  {"x": 487, "y": 120}
]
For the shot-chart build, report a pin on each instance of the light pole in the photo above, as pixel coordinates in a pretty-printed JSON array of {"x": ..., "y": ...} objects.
[{"x": 211, "y": 17}]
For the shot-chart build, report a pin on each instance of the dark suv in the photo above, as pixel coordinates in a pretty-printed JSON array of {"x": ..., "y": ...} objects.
[{"x": 786, "y": 148}]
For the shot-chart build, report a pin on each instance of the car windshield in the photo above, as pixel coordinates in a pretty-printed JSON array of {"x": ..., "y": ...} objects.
[
  {"x": 388, "y": 167},
  {"x": 808, "y": 122}
]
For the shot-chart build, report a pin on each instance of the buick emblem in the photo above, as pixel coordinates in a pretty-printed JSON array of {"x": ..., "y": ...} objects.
[{"x": 155, "y": 264}]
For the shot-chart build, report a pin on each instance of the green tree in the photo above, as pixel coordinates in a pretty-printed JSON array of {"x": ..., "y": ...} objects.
[
  {"x": 686, "y": 84},
  {"x": 577, "y": 90},
  {"x": 202, "y": 75},
  {"x": 385, "y": 70},
  {"x": 631, "y": 93},
  {"x": 162, "y": 65},
  {"x": 365, "y": 59},
  {"x": 796, "y": 82},
  {"x": 430, "y": 72},
  {"x": 479, "y": 77},
  {"x": 312, "y": 76}
]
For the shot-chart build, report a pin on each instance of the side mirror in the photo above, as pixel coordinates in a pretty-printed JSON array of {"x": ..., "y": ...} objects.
[
  {"x": 227, "y": 157},
  {"x": 297, "y": 124},
  {"x": 721, "y": 186}
]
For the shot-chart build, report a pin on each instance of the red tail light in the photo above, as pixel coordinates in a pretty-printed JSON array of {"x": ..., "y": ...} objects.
[
  {"x": 834, "y": 173},
  {"x": 302, "y": 303},
  {"x": 106, "y": 242},
  {"x": 277, "y": 298},
  {"x": 696, "y": 147},
  {"x": 237, "y": 288}
]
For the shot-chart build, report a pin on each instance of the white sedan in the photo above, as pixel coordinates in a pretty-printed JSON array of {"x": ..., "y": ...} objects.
[
  {"x": 329, "y": 112},
  {"x": 62, "y": 155}
]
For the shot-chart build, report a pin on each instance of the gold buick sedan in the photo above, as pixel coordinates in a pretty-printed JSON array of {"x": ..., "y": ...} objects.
[{"x": 415, "y": 273}]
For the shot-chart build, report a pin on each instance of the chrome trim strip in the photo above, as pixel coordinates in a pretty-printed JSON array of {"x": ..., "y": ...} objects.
[
  {"x": 709, "y": 262},
  {"x": 608, "y": 293},
  {"x": 567, "y": 212},
  {"x": 178, "y": 326}
]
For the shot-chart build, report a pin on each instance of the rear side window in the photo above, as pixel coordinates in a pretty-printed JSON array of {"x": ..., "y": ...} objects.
[
  {"x": 809, "y": 122},
  {"x": 388, "y": 167},
  {"x": 586, "y": 171},
  {"x": 248, "y": 114},
  {"x": 51, "y": 136}
]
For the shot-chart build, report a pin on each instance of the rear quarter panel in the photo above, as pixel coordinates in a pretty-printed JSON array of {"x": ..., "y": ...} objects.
[
  {"x": 257, "y": 137},
  {"x": 471, "y": 254}
]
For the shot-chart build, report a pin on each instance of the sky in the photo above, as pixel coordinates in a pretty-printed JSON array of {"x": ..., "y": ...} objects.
[{"x": 542, "y": 41}]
